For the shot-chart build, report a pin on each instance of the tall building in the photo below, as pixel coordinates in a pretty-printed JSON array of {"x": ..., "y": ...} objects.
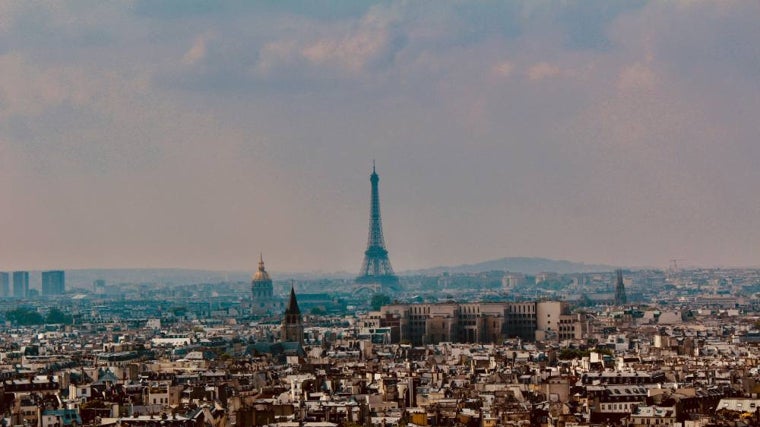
[
  {"x": 292, "y": 323},
  {"x": 376, "y": 267},
  {"x": 53, "y": 282},
  {"x": 620, "y": 297},
  {"x": 5, "y": 284},
  {"x": 262, "y": 292},
  {"x": 20, "y": 284},
  {"x": 99, "y": 287}
]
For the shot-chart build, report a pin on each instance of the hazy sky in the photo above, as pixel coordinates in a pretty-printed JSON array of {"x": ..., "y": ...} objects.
[{"x": 197, "y": 134}]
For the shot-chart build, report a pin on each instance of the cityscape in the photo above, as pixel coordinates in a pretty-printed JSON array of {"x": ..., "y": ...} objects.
[
  {"x": 568, "y": 236},
  {"x": 641, "y": 348}
]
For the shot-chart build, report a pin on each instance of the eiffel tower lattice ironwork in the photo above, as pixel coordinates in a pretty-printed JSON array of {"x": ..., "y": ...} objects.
[{"x": 376, "y": 267}]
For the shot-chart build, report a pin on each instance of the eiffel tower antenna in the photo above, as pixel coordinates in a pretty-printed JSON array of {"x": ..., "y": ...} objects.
[{"x": 376, "y": 267}]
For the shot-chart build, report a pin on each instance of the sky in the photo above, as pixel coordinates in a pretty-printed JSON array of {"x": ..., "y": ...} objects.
[{"x": 198, "y": 134}]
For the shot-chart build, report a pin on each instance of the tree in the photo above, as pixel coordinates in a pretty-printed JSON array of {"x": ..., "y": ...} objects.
[
  {"x": 379, "y": 300},
  {"x": 24, "y": 316},
  {"x": 55, "y": 315}
]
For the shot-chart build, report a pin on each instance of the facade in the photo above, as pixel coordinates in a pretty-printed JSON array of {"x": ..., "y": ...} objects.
[
  {"x": 20, "y": 284},
  {"x": 292, "y": 323},
  {"x": 614, "y": 402},
  {"x": 420, "y": 324},
  {"x": 5, "y": 284},
  {"x": 264, "y": 301},
  {"x": 376, "y": 267},
  {"x": 647, "y": 416},
  {"x": 53, "y": 282}
]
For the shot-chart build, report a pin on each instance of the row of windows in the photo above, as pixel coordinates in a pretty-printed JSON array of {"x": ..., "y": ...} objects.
[
  {"x": 530, "y": 308},
  {"x": 616, "y": 407},
  {"x": 522, "y": 316},
  {"x": 656, "y": 421},
  {"x": 522, "y": 321}
]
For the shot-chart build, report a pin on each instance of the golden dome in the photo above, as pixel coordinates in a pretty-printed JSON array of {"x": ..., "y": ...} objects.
[{"x": 261, "y": 274}]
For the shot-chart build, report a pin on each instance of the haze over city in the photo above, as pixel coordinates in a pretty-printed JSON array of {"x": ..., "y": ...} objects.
[{"x": 197, "y": 134}]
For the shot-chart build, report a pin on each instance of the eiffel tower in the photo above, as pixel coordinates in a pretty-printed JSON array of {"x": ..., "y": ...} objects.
[{"x": 376, "y": 268}]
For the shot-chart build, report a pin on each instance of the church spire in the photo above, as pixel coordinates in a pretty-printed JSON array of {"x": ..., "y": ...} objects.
[
  {"x": 620, "y": 297},
  {"x": 293, "y": 303},
  {"x": 292, "y": 323}
]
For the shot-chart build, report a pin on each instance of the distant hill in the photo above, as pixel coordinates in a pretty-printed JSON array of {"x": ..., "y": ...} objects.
[{"x": 523, "y": 265}]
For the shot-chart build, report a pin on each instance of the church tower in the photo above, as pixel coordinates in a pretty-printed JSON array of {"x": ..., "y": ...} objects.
[
  {"x": 620, "y": 297},
  {"x": 292, "y": 323}
]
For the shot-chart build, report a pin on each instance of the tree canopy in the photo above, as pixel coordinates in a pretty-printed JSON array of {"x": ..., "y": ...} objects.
[
  {"x": 24, "y": 316},
  {"x": 379, "y": 300},
  {"x": 55, "y": 315}
]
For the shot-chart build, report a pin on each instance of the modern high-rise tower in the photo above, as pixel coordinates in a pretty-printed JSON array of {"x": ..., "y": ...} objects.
[
  {"x": 620, "y": 297},
  {"x": 20, "y": 284},
  {"x": 376, "y": 267},
  {"x": 53, "y": 282},
  {"x": 5, "y": 284}
]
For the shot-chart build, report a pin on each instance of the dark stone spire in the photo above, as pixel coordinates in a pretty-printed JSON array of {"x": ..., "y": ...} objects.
[
  {"x": 292, "y": 323},
  {"x": 620, "y": 297},
  {"x": 293, "y": 303}
]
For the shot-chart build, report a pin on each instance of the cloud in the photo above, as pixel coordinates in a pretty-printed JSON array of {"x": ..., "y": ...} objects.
[
  {"x": 354, "y": 47},
  {"x": 637, "y": 77},
  {"x": 503, "y": 69},
  {"x": 543, "y": 70},
  {"x": 197, "y": 51},
  {"x": 694, "y": 37},
  {"x": 27, "y": 90}
]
